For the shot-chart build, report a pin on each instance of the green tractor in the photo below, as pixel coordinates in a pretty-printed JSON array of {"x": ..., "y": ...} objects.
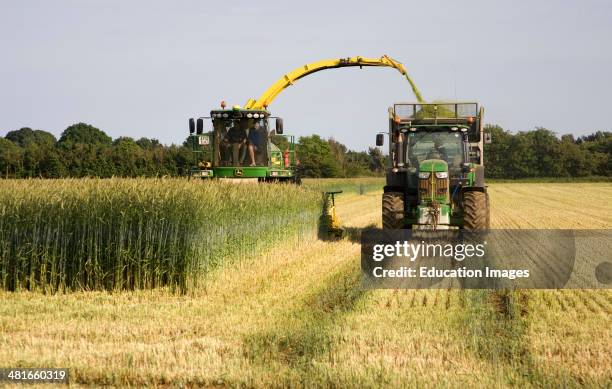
[
  {"x": 435, "y": 174},
  {"x": 242, "y": 146}
]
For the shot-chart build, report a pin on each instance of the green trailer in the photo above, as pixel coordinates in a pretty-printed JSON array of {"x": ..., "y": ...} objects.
[{"x": 241, "y": 146}]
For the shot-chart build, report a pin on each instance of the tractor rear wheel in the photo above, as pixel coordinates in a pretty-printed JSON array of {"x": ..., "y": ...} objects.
[
  {"x": 475, "y": 211},
  {"x": 393, "y": 210}
]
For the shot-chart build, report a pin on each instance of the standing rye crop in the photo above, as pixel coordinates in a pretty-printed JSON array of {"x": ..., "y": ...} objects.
[{"x": 137, "y": 233}]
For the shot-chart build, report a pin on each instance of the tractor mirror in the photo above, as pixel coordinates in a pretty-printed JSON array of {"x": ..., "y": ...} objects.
[
  {"x": 191, "y": 126},
  {"x": 487, "y": 137},
  {"x": 279, "y": 126},
  {"x": 200, "y": 126},
  {"x": 380, "y": 139}
]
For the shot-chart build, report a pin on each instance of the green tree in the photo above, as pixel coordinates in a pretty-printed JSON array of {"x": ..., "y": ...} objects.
[
  {"x": 599, "y": 145},
  {"x": 357, "y": 164},
  {"x": 574, "y": 161},
  {"x": 51, "y": 166},
  {"x": 11, "y": 159},
  {"x": 338, "y": 151},
  {"x": 317, "y": 158},
  {"x": 25, "y": 136},
  {"x": 522, "y": 160},
  {"x": 148, "y": 143},
  {"x": 497, "y": 154},
  {"x": 547, "y": 153},
  {"x": 86, "y": 151},
  {"x": 128, "y": 158},
  {"x": 377, "y": 160},
  {"x": 36, "y": 145},
  {"x": 84, "y": 133}
]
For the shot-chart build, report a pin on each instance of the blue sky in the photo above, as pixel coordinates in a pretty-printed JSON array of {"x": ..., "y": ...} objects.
[{"x": 141, "y": 68}]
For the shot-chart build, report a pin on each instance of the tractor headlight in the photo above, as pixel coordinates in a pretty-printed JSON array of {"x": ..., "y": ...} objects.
[
  {"x": 249, "y": 115},
  {"x": 256, "y": 116},
  {"x": 225, "y": 115},
  {"x": 441, "y": 174},
  {"x": 424, "y": 175}
]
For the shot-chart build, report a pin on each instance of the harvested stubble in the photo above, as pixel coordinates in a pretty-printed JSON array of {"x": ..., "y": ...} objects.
[
  {"x": 348, "y": 186},
  {"x": 118, "y": 234}
]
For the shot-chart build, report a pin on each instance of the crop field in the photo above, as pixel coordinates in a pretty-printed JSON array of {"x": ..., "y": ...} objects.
[
  {"x": 290, "y": 311},
  {"x": 128, "y": 234}
]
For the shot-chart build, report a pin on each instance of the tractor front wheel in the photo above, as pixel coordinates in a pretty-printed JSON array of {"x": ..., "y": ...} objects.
[
  {"x": 393, "y": 210},
  {"x": 475, "y": 211}
]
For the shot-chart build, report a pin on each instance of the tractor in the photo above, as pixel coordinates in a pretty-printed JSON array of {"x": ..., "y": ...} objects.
[{"x": 435, "y": 173}]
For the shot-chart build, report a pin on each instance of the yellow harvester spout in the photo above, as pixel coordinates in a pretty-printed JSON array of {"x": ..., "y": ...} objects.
[{"x": 288, "y": 79}]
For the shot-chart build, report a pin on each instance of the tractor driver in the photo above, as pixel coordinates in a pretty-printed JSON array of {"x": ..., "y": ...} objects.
[
  {"x": 438, "y": 150},
  {"x": 237, "y": 137},
  {"x": 257, "y": 142}
]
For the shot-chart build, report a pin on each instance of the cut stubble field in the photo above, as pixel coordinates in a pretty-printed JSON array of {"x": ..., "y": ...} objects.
[{"x": 296, "y": 315}]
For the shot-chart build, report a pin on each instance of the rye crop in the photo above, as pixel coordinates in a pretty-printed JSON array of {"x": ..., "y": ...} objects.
[{"x": 114, "y": 234}]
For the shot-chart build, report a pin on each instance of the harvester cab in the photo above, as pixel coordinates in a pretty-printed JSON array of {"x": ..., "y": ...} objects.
[
  {"x": 435, "y": 173},
  {"x": 241, "y": 144}
]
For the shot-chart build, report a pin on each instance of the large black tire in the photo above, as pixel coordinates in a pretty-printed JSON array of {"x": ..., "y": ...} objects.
[
  {"x": 393, "y": 210},
  {"x": 475, "y": 211}
]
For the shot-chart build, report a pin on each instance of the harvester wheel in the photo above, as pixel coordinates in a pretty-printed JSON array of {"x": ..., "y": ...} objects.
[
  {"x": 393, "y": 210},
  {"x": 475, "y": 211}
]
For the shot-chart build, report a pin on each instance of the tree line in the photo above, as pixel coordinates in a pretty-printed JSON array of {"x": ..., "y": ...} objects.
[
  {"x": 83, "y": 150},
  {"x": 540, "y": 153},
  {"x": 86, "y": 151}
]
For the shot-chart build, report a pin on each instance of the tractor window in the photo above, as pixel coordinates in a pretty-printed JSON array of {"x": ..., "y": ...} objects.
[
  {"x": 241, "y": 142},
  {"x": 447, "y": 146},
  {"x": 223, "y": 148}
]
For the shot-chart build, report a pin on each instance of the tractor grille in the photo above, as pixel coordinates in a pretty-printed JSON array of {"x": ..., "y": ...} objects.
[
  {"x": 441, "y": 185},
  {"x": 425, "y": 186}
]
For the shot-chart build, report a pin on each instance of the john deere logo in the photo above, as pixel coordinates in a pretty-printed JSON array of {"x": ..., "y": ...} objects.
[{"x": 238, "y": 172}]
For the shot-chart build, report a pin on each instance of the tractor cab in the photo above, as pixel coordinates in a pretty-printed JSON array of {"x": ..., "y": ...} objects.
[
  {"x": 242, "y": 144},
  {"x": 435, "y": 159}
]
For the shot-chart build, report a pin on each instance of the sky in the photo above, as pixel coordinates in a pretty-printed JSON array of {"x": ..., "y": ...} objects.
[{"x": 142, "y": 68}]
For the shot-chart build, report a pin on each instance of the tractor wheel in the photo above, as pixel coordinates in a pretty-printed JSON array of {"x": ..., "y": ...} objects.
[
  {"x": 393, "y": 210},
  {"x": 475, "y": 211}
]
